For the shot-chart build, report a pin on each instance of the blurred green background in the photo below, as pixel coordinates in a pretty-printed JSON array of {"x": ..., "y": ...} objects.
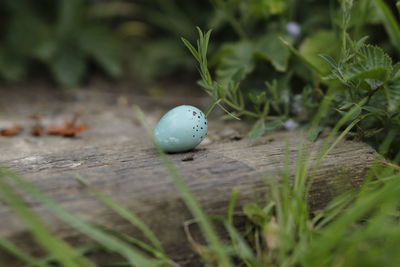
[{"x": 66, "y": 41}]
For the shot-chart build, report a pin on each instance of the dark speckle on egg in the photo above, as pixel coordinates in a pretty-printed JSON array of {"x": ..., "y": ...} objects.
[{"x": 194, "y": 113}]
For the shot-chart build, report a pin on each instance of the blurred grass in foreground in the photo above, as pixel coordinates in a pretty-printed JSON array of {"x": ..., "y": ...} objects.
[{"x": 358, "y": 228}]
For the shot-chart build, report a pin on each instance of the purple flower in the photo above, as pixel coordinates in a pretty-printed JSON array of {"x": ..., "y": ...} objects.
[
  {"x": 290, "y": 125},
  {"x": 294, "y": 29}
]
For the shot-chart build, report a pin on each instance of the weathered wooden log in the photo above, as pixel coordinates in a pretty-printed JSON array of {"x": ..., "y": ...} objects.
[{"x": 137, "y": 179}]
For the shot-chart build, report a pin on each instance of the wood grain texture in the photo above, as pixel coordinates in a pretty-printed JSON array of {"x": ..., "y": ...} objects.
[{"x": 136, "y": 178}]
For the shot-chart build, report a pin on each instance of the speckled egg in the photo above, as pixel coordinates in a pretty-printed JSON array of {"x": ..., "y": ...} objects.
[{"x": 180, "y": 129}]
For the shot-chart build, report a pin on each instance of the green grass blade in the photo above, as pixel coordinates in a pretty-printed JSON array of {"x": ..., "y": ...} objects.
[
  {"x": 190, "y": 201},
  {"x": 135, "y": 257},
  {"x": 334, "y": 233},
  {"x": 125, "y": 213},
  {"x": 243, "y": 250},
  {"x": 328, "y": 145},
  {"x": 63, "y": 253},
  {"x": 301, "y": 57},
  {"x": 390, "y": 22},
  {"x": 138, "y": 243},
  {"x": 8, "y": 246},
  {"x": 83, "y": 250},
  {"x": 231, "y": 206}
]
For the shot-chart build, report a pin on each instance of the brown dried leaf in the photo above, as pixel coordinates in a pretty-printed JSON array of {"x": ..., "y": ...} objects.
[
  {"x": 69, "y": 128},
  {"x": 38, "y": 130},
  {"x": 11, "y": 131}
]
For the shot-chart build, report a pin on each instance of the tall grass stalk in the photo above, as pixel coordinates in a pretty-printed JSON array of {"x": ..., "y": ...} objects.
[
  {"x": 206, "y": 226},
  {"x": 133, "y": 255}
]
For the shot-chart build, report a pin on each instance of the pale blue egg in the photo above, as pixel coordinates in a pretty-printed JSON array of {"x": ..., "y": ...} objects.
[{"x": 180, "y": 129}]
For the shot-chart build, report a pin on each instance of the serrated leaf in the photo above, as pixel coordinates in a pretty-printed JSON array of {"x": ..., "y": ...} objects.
[
  {"x": 272, "y": 49},
  {"x": 236, "y": 63},
  {"x": 329, "y": 60},
  {"x": 374, "y": 64}
]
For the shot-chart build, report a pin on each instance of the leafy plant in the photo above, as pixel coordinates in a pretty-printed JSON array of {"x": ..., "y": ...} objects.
[
  {"x": 368, "y": 73},
  {"x": 238, "y": 61},
  {"x": 364, "y": 73},
  {"x": 64, "y": 43}
]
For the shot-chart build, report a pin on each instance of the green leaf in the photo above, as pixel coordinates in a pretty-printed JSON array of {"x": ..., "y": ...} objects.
[
  {"x": 243, "y": 250},
  {"x": 191, "y": 48},
  {"x": 322, "y": 42},
  {"x": 260, "y": 128},
  {"x": 62, "y": 252},
  {"x": 25, "y": 33},
  {"x": 302, "y": 58},
  {"x": 330, "y": 61},
  {"x": 275, "y": 6},
  {"x": 272, "y": 49},
  {"x": 17, "y": 252},
  {"x": 69, "y": 16},
  {"x": 393, "y": 94},
  {"x": 257, "y": 97},
  {"x": 256, "y": 214},
  {"x": 257, "y": 130},
  {"x": 231, "y": 206},
  {"x": 13, "y": 67},
  {"x": 390, "y": 22},
  {"x": 236, "y": 63},
  {"x": 396, "y": 71},
  {"x": 126, "y": 214},
  {"x": 374, "y": 64},
  {"x": 100, "y": 44},
  {"x": 68, "y": 66}
]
